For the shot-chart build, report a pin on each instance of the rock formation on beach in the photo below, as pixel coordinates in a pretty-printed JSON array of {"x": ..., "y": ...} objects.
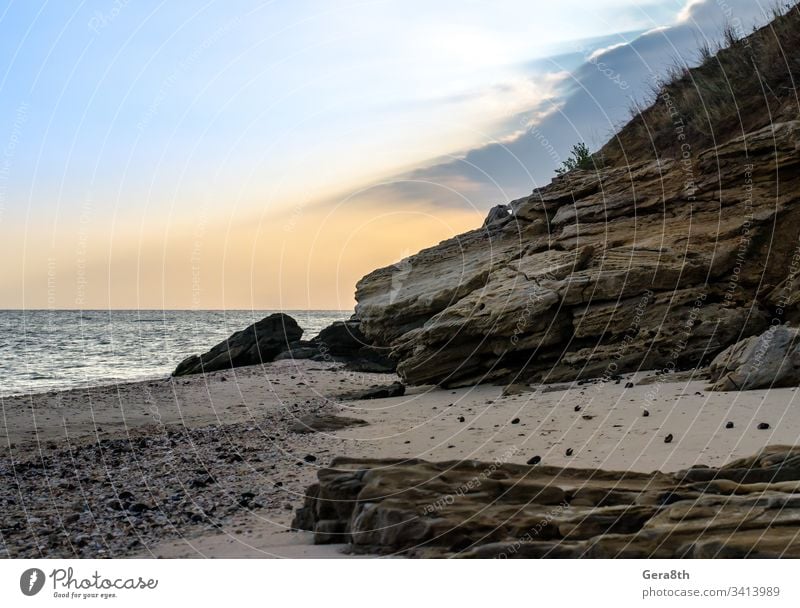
[
  {"x": 748, "y": 508},
  {"x": 278, "y": 336},
  {"x": 770, "y": 360},
  {"x": 683, "y": 241},
  {"x": 258, "y": 343}
]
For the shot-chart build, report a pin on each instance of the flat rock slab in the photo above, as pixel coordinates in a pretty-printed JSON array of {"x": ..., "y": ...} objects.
[
  {"x": 317, "y": 423},
  {"x": 748, "y": 508},
  {"x": 395, "y": 389}
]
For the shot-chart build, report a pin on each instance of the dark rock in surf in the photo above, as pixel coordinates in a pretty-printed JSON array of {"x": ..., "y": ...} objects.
[{"x": 258, "y": 343}]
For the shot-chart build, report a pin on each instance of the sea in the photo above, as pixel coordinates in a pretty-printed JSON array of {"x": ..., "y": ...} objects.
[{"x": 44, "y": 350}]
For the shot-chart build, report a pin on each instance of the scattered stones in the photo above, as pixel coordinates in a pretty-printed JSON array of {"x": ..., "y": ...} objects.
[{"x": 115, "y": 497}]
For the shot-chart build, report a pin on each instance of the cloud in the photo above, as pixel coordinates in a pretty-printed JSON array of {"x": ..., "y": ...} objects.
[{"x": 596, "y": 86}]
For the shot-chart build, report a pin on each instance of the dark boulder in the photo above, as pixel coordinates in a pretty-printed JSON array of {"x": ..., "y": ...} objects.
[
  {"x": 344, "y": 341},
  {"x": 258, "y": 343},
  {"x": 395, "y": 389}
]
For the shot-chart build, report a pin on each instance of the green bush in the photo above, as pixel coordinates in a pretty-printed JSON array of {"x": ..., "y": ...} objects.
[{"x": 580, "y": 158}]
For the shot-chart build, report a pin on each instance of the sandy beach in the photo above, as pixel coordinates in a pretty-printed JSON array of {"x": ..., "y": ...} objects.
[{"x": 209, "y": 466}]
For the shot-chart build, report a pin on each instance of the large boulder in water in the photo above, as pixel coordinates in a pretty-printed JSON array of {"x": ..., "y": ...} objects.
[
  {"x": 258, "y": 343},
  {"x": 766, "y": 361}
]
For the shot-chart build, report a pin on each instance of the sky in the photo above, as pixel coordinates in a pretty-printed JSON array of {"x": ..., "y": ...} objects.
[{"x": 250, "y": 154}]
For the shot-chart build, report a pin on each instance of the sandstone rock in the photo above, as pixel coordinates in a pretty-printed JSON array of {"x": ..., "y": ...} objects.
[
  {"x": 472, "y": 509},
  {"x": 771, "y": 359},
  {"x": 258, "y": 343},
  {"x": 497, "y": 215},
  {"x": 602, "y": 272}
]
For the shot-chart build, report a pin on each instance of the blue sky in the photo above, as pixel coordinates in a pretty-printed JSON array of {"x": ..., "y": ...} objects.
[{"x": 148, "y": 142}]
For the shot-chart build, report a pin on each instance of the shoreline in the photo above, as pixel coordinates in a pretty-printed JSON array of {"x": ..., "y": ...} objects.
[{"x": 209, "y": 465}]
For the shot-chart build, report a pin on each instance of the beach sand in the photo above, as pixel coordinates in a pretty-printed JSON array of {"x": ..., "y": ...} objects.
[{"x": 207, "y": 466}]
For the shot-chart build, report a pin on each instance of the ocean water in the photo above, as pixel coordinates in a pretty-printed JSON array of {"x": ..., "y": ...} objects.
[{"x": 42, "y": 350}]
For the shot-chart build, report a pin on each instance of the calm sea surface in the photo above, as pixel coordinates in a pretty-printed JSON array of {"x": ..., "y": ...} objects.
[{"x": 41, "y": 350}]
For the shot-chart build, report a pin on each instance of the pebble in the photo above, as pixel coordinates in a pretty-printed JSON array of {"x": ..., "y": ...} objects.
[
  {"x": 645, "y": 413},
  {"x": 729, "y": 425},
  {"x": 763, "y": 426},
  {"x": 668, "y": 438},
  {"x": 569, "y": 452},
  {"x": 515, "y": 421}
]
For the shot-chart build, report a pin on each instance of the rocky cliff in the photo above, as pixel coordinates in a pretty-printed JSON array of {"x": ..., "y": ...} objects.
[{"x": 658, "y": 258}]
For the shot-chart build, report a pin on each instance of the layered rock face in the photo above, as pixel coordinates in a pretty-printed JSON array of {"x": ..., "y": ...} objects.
[
  {"x": 748, "y": 508},
  {"x": 683, "y": 241},
  {"x": 656, "y": 264}
]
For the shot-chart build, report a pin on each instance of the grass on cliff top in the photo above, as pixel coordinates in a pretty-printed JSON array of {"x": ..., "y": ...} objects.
[{"x": 748, "y": 83}]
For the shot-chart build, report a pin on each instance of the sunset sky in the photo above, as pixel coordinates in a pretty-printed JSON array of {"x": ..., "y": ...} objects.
[{"x": 252, "y": 154}]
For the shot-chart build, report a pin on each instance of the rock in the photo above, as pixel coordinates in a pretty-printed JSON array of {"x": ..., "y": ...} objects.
[
  {"x": 395, "y": 389},
  {"x": 645, "y": 413},
  {"x": 668, "y": 438},
  {"x": 344, "y": 341},
  {"x": 551, "y": 295},
  {"x": 299, "y": 350},
  {"x": 258, "y": 343},
  {"x": 310, "y": 458},
  {"x": 472, "y": 509},
  {"x": 729, "y": 425},
  {"x": 769, "y": 360},
  {"x": 515, "y": 421},
  {"x": 516, "y": 389},
  {"x": 763, "y": 426},
  {"x": 499, "y": 214},
  {"x": 316, "y": 423},
  {"x": 535, "y": 460},
  {"x": 569, "y": 452}
]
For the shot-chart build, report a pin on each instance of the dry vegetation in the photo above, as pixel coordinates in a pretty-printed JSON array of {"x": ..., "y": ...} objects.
[{"x": 748, "y": 83}]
